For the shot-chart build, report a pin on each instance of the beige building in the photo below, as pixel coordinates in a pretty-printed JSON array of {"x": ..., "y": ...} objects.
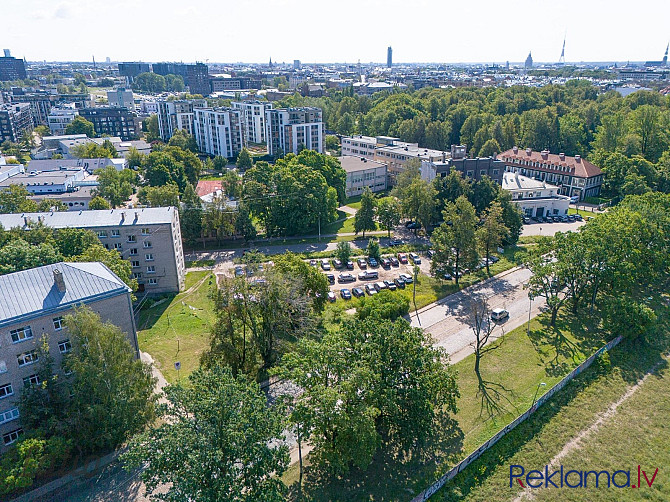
[
  {"x": 32, "y": 305},
  {"x": 150, "y": 238},
  {"x": 363, "y": 172}
]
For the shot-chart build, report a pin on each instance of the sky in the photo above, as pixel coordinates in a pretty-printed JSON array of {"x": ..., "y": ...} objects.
[{"x": 335, "y": 31}]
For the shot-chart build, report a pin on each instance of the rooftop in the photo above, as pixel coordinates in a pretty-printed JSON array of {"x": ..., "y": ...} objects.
[
  {"x": 92, "y": 219},
  {"x": 40, "y": 292},
  {"x": 576, "y": 166},
  {"x": 353, "y": 164},
  {"x": 514, "y": 181}
]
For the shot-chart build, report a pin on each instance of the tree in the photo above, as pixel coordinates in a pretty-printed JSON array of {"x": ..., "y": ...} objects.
[
  {"x": 112, "y": 260},
  {"x": 114, "y": 186},
  {"x": 385, "y": 305},
  {"x": 149, "y": 82},
  {"x": 244, "y": 160},
  {"x": 512, "y": 217},
  {"x": 454, "y": 241},
  {"x": 160, "y": 196},
  {"x": 365, "y": 216},
  {"x": 219, "y": 163},
  {"x": 80, "y": 126},
  {"x": 451, "y": 187},
  {"x": 244, "y": 225},
  {"x": 14, "y": 199},
  {"x": 629, "y": 318},
  {"x": 190, "y": 215},
  {"x": 343, "y": 251},
  {"x": 47, "y": 205},
  {"x": 150, "y": 125},
  {"x": 18, "y": 255},
  {"x": 484, "y": 192},
  {"x": 388, "y": 213},
  {"x": 42, "y": 130},
  {"x": 490, "y": 148},
  {"x": 174, "y": 83},
  {"x": 492, "y": 231},
  {"x": 72, "y": 242},
  {"x": 547, "y": 280},
  {"x": 231, "y": 183},
  {"x": 373, "y": 250},
  {"x": 215, "y": 442},
  {"x": 98, "y": 202},
  {"x": 183, "y": 140},
  {"x": 93, "y": 150}
]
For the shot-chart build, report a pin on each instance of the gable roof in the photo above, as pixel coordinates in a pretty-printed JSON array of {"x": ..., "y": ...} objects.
[
  {"x": 577, "y": 166},
  {"x": 206, "y": 187},
  {"x": 32, "y": 293}
]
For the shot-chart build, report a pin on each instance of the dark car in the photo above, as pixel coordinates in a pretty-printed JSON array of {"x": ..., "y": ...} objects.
[
  {"x": 390, "y": 285},
  {"x": 357, "y": 292},
  {"x": 313, "y": 263},
  {"x": 394, "y": 261},
  {"x": 337, "y": 264},
  {"x": 430, "y": 253},
  {"x": 386, "y": 263},
  {"x": 396, "y": 242},
  {"x": 526, "y": 220},
  {"x": 399, "y": 282},
  {"x": 350, "y": 265},
  {"x": 407, "y": 278},
  {"x": 362, "y": 264},
  {"x": 346, "y": 278},
  {"x": 345, "y": 294},
  {"x": 571, "y": 217},
  {"x": 331, "y": 278},
  {"x": 578, "y": 217},
  {"x": 373, "y": 262}
]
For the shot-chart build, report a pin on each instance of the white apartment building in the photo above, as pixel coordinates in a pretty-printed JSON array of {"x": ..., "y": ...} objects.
[
  {"x": 218, "y": 131},
  {"x": 289, "y": 130},
  {"x": 534, "y": 197},
  {"x": 121, "y": 98},
  {"x": 361, "y": 173},
  {"x": 59, "y": 118},
  {"x": 359, "y": 146},
  {"x": 173, "y": 115},
  {"x": 253, "y": 119}
]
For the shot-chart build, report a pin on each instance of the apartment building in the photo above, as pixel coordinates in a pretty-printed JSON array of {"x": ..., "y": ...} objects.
[
  {"x": 535, "y": 198},
  {"x": 253, "y": 119},
  {"x": 59, "y": 118},
  {"x": 150, "y": 238},
  {"x": 121, "y": 98},
  {"x": 41, "y": 102},
  {"x": 15, "y": 119},
  {"x": 173, "y": 115},
  {"x": 575, "y": 177},
  {"x": 112, "y": 121},
  {"x": 289, "y": 130},
  {"x": 362, "y": 173},
  {"x": 218, "y": 131},
  {"x": 32, "y": 305},
  {"x": 197, "y": 79}
]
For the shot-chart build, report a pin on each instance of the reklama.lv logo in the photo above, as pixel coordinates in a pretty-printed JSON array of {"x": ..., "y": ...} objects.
[{"x": 578, "y": 479}]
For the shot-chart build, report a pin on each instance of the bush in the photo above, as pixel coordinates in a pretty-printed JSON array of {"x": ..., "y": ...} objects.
[{"x": 385, "y": 305}]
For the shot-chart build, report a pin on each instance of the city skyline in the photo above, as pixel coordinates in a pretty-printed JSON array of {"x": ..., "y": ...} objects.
[{"x": 479, "y": 32}]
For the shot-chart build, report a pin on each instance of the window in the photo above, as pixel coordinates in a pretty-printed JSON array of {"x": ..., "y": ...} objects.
[
  {"x": 137, "y": 275},
  {"x": 27, "y": 358},
  {"x": 58, "y": 323},
  {"x": 116, "y": 233},
  {"x": 31, "y": 380},
  {"x": 11, "y": 437},
  {"x": 149, "y": 257},
  {"x": 9, "y": 415},
  {"x": 102, "y": 234},
  {"x": 133, "y": 252},
  {"x": 21, "y": 334},
  {"x": 132, "y": 238},
  {"x": 145, "y": 231},
  {"x": 153, "y": 281},
  {"x": 117, "y": 246},
  {"x": 64, "y": 346},
  {"x": 6, "y": 390},
  {"x": 135, "y": 264},
  {"x": 151, "y": 269},
  {"x": 147, "y": 244}
]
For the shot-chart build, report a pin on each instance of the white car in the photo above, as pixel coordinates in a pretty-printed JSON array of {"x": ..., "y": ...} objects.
[{"x": 499, "y": 314}]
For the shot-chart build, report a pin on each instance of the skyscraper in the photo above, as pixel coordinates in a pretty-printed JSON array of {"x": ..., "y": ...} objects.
[
  {"x": 389, "y": 57},
  {"x": 12, "y": 68}
]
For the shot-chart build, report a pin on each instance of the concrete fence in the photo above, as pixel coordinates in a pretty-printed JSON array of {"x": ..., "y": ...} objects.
[{"x": 430, "y": 491}]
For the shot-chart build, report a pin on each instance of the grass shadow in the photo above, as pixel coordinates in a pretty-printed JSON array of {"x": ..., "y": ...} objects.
[{"x": 148, "y": 316}]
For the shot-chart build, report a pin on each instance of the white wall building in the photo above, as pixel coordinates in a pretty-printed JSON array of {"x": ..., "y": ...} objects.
[
  {"x": 173, "y": 115},
  {"x": 59, "y": 118},
  {"x": 218, "y": 131},
  {"x": 253, "y": 119},
  {"x": 360, "y": 146},
  {"x": 363, "y": 172},
  {"x": 534, "y": 197},
  {"x": 288, "y": 130}
]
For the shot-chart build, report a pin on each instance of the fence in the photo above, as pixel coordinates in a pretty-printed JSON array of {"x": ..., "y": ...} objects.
[{"x": 428, "y": 492}]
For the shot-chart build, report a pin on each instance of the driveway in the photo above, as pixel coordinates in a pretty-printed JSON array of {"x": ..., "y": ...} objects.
[{"x": 550, "y": 228}]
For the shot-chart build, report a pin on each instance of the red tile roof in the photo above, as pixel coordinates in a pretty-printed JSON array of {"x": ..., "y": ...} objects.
[
  {"x": 205, "y": 187},
  {"x": 579, "y": 167}
]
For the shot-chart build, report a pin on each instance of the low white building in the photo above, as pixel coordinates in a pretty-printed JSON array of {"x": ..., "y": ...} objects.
[
  {"x": 363, "y": 172},
  {"x": 535, "y": 198},
  {"x": 360, "y": 146},
  {"x": 59, "y": 118}
]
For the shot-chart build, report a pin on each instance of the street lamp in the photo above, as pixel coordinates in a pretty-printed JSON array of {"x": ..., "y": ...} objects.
[{"x": 541, "y": 384}]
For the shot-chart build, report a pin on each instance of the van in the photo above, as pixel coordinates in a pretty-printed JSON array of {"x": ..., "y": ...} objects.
[{"x": 499, "y": 314}]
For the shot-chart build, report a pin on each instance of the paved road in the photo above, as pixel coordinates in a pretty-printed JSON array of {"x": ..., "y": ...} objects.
[{"x": 446, "y": 321}]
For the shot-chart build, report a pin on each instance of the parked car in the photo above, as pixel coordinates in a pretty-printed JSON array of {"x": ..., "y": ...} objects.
[
  {"x": 331, "y": 297},
  {"x": 574, "y": 199},
  {"x": 407, "y": 278},
  {"x": 416, "y": 259},
  {"x": 390, "y": 285},
  {"x": 239, "y": 271},
  {"x": 495, "y": 259},
  {"x": 380, "y": 285},
  {"x": 362, "y": 264},
  {"x": 396, "y": 242},
  {"x": 357, "y": 292},
  {"x": 578, "y": 217},
  {"x": 350, "y": 265},
  {"x": 331, "y": 278},
  {"x": 337, "y": 264},
  {"x": 411, "y": 225},
  {"x": 368, "y": 275},
  {"x": 394, "y": 261},
  {"x": 370, "y": 289},
  {"x": 526, "y": 220},
  {"x": 571, "y": 217},
  {"x": 346, "y": 278},
  {"x": 386, "y": 263},
  {"x": 313, "y": 263},
  {"x": 549, "y": 219},
  {"x": 372, "y": 262},
  {"x": 430, "y": 253},
  {"x": 325, "y": 264},
  {"x": 499, "y": 314},
  {"x": 402, "y": 257},
  {"x": 345, "y": 294},
  {"x": 399, "y": 282},
  {"x": 447, "y": 276}
]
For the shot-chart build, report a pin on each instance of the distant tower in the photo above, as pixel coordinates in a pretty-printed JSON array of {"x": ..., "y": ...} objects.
[
  {"x": 665, "y": 58},
  {"x": 561, "y": 60},
  {"x": 270, "y": 65},
  {"x": 529, "y": 62},
  {"x": 8, "y": 53},
  {"x": 389, "y": 57},
  {"x": 94, "y": 67}
]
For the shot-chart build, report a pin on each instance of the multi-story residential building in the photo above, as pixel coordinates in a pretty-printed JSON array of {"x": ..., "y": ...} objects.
[
  {"x": 359, "y": 146},
  {"x": 169, "y": 69},
  {"x": 197, "y": 79},
  {"x": 473, "y": 169},
  {"x": 222, "y": 84},
  {"x": 32, "y": 306},
  {"x": 41, "y": 103},
  {"x": 253, "y": 119},
  {"x": 12, "y": 69},
  {"x": 150, "y": 238},
  {"x": 289, "y": 130},
  {"x": 575, "y": 177},
  {"x": 535, "y": 198},
  {"x": 15, "y": 118},
  {"x": 59, "y": 118},
  {"x": 363, "y": 172},
  {"x": 218, "y": 131},
  {"x": 121, "y": 98},
  {"x": 111, "y": 121},
  {"x": 173, "y": 115}
]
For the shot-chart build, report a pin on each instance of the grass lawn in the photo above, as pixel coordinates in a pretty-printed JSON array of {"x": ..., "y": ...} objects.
[
  {"x": 344, "y": 224},
  {"x": 585, "y": 213},
  {"x": 200, "y": 263},
  {"x": 514, "y": 369},
  {"x": 187, "y": 316}
]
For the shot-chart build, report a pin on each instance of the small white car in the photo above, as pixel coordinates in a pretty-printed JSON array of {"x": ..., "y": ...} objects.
[{"x": 499, "y": 314}]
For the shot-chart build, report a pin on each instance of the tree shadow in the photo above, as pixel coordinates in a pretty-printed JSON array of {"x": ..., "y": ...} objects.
[
  {"x": 559, "y": 353},
  {"x": 493, "y": 396},
  {"x": 149, "y": 316}
]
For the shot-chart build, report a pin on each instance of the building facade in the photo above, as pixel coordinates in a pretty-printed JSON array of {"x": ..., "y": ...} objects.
[
  {"x": 15, "y": 119},
  {"x": 573, "y": 175},
  {"x": 197, "y": 79},
  {"x": 253, "y": 119},
  {"x": 362, "y": 173},
  {"x": 150, "y": 238},
  {"x": 32, "y": 306},
  {"x": 121, "y": 98},
  {"x": 535, "y": 198},
  {"x": 218, "y": 131},
  {"x": 59, "y": 118},
  {"x": 359, "y": 146},
  {"x": 169, "y": 69},
  {"x": 12, "y": 69},
  {"x": 112, "y": 121},
  {"x": 173, "y": 115},
  {"x": 289, "y": 130}
]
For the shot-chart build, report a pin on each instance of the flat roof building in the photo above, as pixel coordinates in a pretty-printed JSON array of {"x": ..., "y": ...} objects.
[
  {"x": 218, "y": 131},
  {"x": 362, "y": 173},
  {"x": 289, "y": 130},
  {"x": 535, "y": 198},
  {"x": 12, "y": 69}
]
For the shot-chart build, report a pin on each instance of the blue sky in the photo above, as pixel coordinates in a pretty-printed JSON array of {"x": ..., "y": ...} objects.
[{"x": 343, "y": 30}]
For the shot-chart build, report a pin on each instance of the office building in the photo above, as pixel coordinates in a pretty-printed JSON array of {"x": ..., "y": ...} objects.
[
  {"x": 169, "y": 69},
  {"x": 15, "y": 119},
  {"x": 59, "y": 118},
  {"x": 289, "y": 130},
  {"x": 41, "y": 103},
  {"x": 218, "y": 131},
  {"x": 535, "y": 198},
  {"x": 359, "y": 146},
  {"x": 150, "y": 238},
  {"x": 395, "y": 154},
  {"x": 362, "y": 173},
  {"x": 389, "y": 57},
  {"x": 223, "y": 84},
  {"x": 132, "y": 70},
  {"x": 33, "y": 304},
  {"x": 573, "y": 175},
  {"x": 197, "y": 79},
  {"x": 253, "y": 119},
  {"x": 173, "y": 115},
  {"x": 46, "y": 182},
  {"x": 12, "y": 68},
  {"x": 111, "y": 121},
  {"x": 121, "y": 98},
  {"x": 297, "y": 65}
]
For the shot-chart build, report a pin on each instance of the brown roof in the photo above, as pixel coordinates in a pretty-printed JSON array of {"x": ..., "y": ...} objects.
[
  {"x": 579, "y": 167},
  {"x": 205, "y": 187}
]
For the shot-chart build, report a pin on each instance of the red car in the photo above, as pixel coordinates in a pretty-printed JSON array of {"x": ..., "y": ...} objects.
[{"x": 402, "y": 257}]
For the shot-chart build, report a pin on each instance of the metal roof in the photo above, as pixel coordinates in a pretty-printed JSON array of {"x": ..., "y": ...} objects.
[
  {"x": 92, "y": 218},
  {"x": 33, "y": 292}
]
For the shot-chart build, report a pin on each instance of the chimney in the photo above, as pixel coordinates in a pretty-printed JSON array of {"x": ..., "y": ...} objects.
[
  {"x": 545, "y": 154},
  {"x": 529, "y": 151},
  {"x": 515, "y": 149},
  {"x": 59, "y": 281},
  {"x": 578, "y": 159},
  {"x": 561, "y": 156},
  {"x": 137, "y": 215},
  {"x": 123, "y": 216}
]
